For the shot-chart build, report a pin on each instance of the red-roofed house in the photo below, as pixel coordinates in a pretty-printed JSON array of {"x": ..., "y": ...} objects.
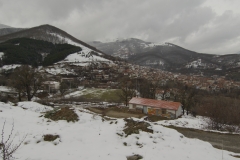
[{"x": 157, "y": 107}]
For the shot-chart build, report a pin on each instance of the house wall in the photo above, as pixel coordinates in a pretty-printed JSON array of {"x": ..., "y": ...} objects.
[
  {"x": 139, "y": 106},
  {"x": 130, "y": 106},
  {"x": 179, "y": 112},
  {"x": 134, "y": 106},
  {"x": 158, "y": 111}
]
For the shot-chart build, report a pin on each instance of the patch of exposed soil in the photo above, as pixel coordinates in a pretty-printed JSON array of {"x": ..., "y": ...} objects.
[
  {"x": 133, "y": 127},
  {"x": 116, "y": 112},
  {"x": 134, "y": 157},
  {"x": 65, "y": 113},
  {"x": 50, "y": 137},
  {"x": 154, "y": 118}
]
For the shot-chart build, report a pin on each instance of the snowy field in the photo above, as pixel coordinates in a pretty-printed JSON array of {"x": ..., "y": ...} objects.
[
  {"x": 187, "y": 121},
  {"x": 91, "y": 138},
  {"x": 95, "y": 92}
]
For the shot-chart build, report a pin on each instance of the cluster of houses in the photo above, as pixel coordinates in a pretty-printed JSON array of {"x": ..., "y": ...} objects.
[{"x": 106, "y": 75}]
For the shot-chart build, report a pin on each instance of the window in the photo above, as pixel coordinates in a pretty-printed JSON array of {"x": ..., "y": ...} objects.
[{"x": 164, "y": 111}]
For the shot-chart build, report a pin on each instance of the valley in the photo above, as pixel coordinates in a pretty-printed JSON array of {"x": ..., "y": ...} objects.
[{"x": 74, "y": 98}]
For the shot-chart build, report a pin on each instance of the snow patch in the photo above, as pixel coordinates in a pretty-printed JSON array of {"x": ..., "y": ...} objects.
[
  {"x": 91, "y": 138},
  {"x": 35, "y": 107},
  {"x": 1, "y": 54},
  {"x": 195, "y": 64},
  {"x": 187, "y": 121},
  {"x": 56, "y": 71},
  {"x": 9, "y": 67},
  {"x": 5, "y": 89}
]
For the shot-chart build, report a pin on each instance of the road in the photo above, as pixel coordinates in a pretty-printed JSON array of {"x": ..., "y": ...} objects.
[{"x": 230, "y": 142}]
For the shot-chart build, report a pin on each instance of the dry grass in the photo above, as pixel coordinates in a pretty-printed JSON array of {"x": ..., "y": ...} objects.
[
  {"x": 154, "y": 118},
  {"x": 133, "y": 127},
  {"x": 65, "y": 113},
  {"x": 236, "y": 156},
  {"x": 116, "y": 112},
  {"x": 50, "y": 137}
]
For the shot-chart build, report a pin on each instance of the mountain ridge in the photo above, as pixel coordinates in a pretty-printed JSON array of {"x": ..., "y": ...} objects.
[
  {"x": 4, "y": 26},
  {"x": 171, "y": 57},
  {"x": 54, "y": 35}
]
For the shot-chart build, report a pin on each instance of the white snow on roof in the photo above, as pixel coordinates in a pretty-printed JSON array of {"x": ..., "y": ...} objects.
[
  {"x": 12, "y": 66},
  {"x": 1, "y": 54},
  {"x": 91, "y": 138}
]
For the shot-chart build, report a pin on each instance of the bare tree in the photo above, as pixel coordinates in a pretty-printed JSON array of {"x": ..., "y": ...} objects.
[
  {"x": 7, "y": 147},
  {"x": 27, "y": 80},
  {"x": 148, "y": 88},
  {"x": 127, "y": 91},
  {"x": 63, "y": 88},
  {"x": 17, "y": 85}
]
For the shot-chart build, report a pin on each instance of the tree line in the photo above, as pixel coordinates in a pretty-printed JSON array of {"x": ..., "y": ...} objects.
[
  {"x": 28, "y": 51},
  {"x": 221, "y": 107}
]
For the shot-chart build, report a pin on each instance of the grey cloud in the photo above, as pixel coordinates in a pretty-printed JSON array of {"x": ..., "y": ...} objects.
[{"x": 187, "y": 22}]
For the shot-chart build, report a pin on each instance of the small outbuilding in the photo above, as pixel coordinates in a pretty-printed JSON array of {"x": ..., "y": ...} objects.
[
  {"x": 51, "y": 85},
  {"x": 157, "y": 107}
]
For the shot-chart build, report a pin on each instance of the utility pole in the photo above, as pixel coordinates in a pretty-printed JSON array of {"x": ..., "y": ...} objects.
[{"x": 222, "y": 149}]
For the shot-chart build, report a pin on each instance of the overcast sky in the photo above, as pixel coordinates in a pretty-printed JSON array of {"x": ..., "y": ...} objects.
[{"x": 210, "y": 26}]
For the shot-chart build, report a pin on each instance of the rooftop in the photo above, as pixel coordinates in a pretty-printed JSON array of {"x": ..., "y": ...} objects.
[{"x": 155, "y": 103}]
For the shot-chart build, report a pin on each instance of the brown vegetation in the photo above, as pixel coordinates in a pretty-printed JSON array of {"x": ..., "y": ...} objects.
[
  {"x": 116, "y": 112},
  {"x": 224, "y": 113},
  {"x": 133, "y": 127},
  {"x": 50, "y": 137},
  {"x": 65, "y": 113}
]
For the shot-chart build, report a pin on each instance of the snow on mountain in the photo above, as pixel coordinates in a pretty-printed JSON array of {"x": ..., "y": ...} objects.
[
  {"x": 55, "y": 70},
  {"x": 83, "y": 58},
  {"x": 195, "y": 64},
  {"x": 91, "y": 138},
  {"x": 124, "y": 48},
  {"x": 79, "y": 57},
  {"x": 9, "y": 67},
  {"x": 85, "y": 49},
  {"x": 4, "y": 26}
]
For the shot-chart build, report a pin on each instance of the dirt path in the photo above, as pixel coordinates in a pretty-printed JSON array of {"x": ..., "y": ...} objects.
[
  {"x": 230, "y": 142},
  {"x": 115, "y": 114}
]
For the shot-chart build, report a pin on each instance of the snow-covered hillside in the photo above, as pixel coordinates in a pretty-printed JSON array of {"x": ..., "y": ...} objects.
[
  {"x": 124, "y": 48},
  {"x": 196, "y": 64},
  {"x": 83, "y": 58},
  {"x": 91, "y": 138}
]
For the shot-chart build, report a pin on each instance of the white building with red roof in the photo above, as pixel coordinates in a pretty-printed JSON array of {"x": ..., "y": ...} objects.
[{"x": 157, "y": 107}]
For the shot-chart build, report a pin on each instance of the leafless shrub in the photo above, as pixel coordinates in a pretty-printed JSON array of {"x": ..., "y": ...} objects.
[
  {"x": 224, "y": 113},
  {"x": 7, "y": 147}
]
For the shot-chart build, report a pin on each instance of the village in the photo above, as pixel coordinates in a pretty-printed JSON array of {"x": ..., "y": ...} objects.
[
  {"x": 66, "y": 78},
  {"x": 107, "y": 75}
]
